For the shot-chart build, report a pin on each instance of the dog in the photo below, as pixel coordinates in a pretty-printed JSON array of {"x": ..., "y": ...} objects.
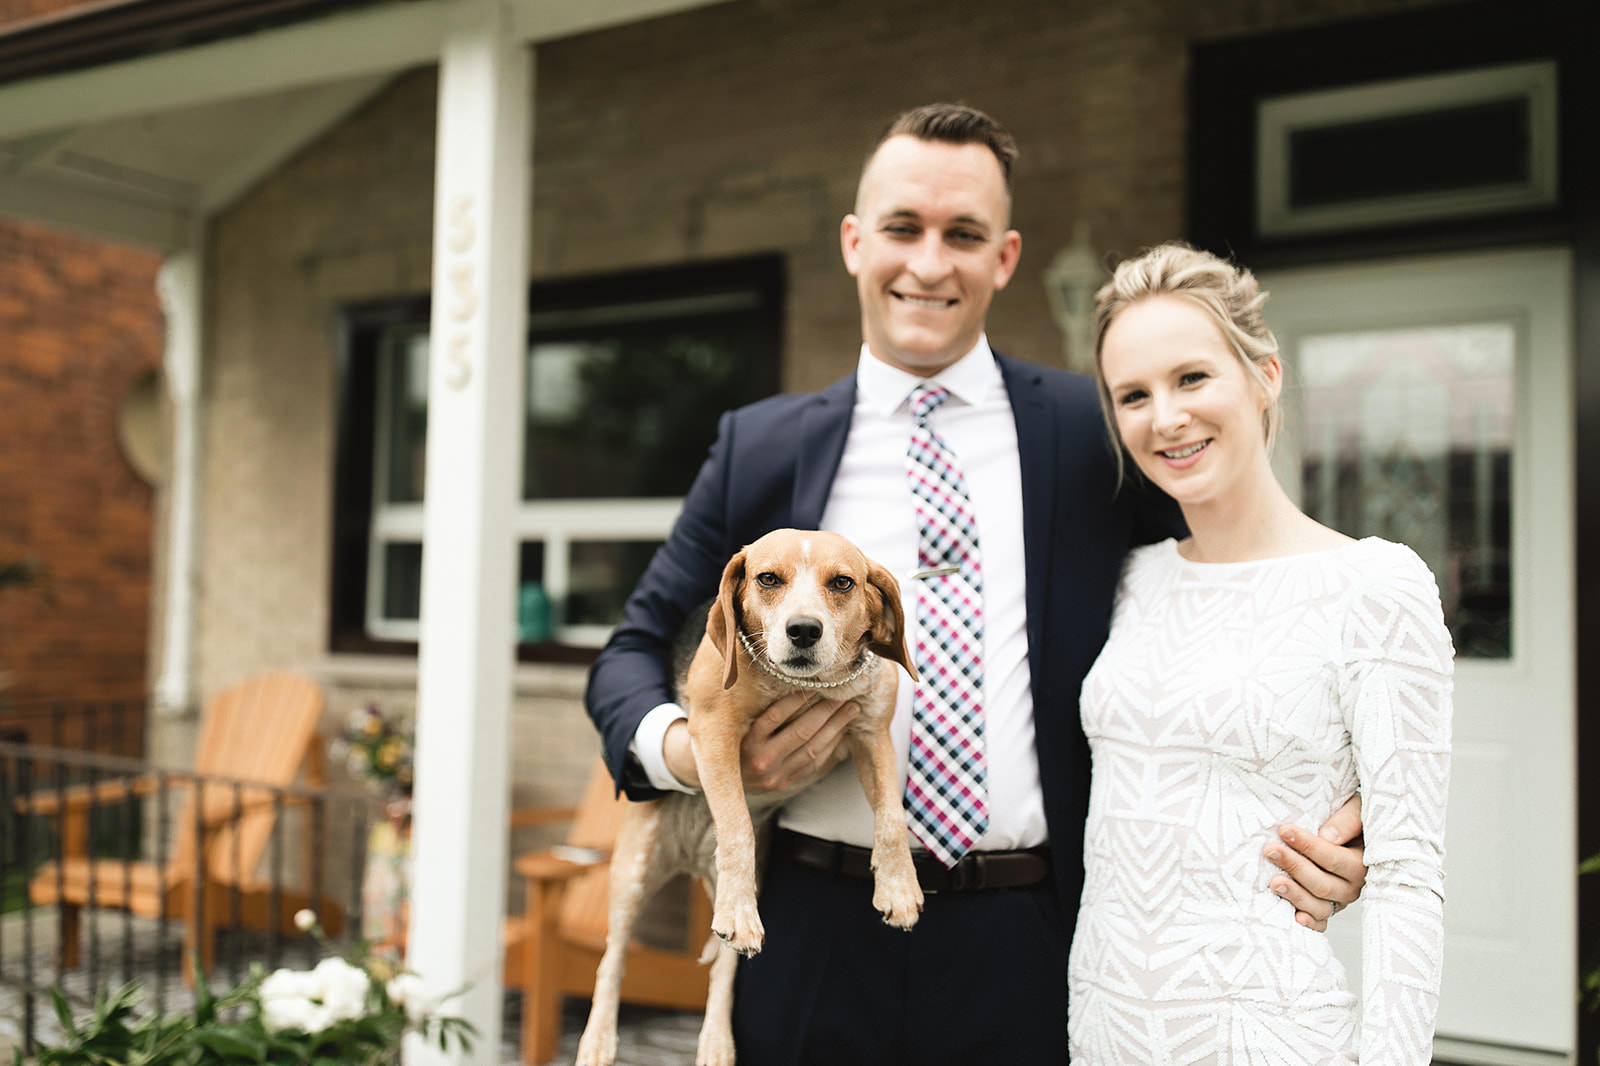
[{"x": 798, "y": 610}]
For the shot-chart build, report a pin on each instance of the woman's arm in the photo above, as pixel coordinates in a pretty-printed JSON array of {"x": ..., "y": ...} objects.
[{"x": 1395, "y": 690}]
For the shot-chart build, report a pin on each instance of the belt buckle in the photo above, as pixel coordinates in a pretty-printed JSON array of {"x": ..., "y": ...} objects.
[{"x": 967, "y": 875}]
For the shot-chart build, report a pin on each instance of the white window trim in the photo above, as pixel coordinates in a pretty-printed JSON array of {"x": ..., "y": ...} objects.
[
  {"x": 1279, "y": 117},
  {"x": 559, "y": 524}
]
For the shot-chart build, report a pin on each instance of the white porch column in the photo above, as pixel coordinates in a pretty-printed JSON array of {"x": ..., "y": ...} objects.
[
  {"x": 475, "y": 407},
  {"x": 181, "y": 287}
]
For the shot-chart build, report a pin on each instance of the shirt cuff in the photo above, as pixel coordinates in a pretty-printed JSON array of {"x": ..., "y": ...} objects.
[{"x": 646, "y": 747}]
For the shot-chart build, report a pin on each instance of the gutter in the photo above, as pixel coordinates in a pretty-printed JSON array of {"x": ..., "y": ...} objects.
[{"x": 96, "y": 34}]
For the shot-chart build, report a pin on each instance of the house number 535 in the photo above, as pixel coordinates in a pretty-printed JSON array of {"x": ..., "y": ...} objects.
[{"x": 462, "y": 297}]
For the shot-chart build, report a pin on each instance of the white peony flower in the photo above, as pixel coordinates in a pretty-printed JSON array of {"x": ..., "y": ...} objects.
[
  {"x": 294, "y": 1013},
  {"x": 310, "y": 1001},
  {"x": 408, "y": 992},
  {"x": 342, "y": 988},
  {"x": 287, "y": 984},
  {"x": 304, "y": 919}
]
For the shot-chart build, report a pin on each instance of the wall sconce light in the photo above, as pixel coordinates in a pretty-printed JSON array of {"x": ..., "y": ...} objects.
[{"x": 1071, "y": 280}]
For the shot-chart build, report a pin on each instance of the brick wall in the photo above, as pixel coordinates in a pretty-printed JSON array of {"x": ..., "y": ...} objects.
[{"x": 80, "y": 325}]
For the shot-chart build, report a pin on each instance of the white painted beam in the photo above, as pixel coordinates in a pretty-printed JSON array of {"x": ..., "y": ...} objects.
[
  {"x": 372, "y": 40},
  {"x": 467, "y": 648},
  {"x": 95, "y": 214},
  {"x": 181, "y": 284}
]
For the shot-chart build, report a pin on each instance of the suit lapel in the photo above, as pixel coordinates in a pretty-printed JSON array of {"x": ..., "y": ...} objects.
[
  {"x": 1037, "y": 452},
  {"x": 824, "y": 425}
]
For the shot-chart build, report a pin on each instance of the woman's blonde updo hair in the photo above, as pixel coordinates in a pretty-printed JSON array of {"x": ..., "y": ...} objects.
[{"x": 1229, "y": 294}]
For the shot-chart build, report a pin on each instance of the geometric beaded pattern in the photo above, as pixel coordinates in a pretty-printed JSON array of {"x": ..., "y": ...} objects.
[
  {"x": 946, "y": 784},
  {"x": 1229, "y": 699}
]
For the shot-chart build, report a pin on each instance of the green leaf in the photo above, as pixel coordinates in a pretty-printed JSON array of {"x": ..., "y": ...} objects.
[
  {"x": 1590, "y": 865},
  {"x": 229, "y": 1043},
  {"x": 63, "y": 1012},
  {"x": 205, "y": 1004}
]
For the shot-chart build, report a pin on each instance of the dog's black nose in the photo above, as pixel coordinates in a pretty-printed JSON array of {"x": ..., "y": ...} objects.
[{"x": 804, "y": 632}]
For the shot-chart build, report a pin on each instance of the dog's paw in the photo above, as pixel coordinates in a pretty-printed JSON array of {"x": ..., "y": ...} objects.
[
  {"x": 898, "y": 899},
  {"x": 739, "y": 926},
  {"x": 597, "y": 1047},
  {"x": 716, "y": 1046}
]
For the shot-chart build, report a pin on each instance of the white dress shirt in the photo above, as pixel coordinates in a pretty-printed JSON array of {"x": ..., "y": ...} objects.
[{"x": 870, "y": 502}]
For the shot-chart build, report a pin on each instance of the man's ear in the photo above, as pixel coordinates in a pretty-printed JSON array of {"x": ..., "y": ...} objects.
[
  {"x": 722, "y": 624},
  {"x": 850, "y": 243},
  {"x": 888, "y": 632},
  {"x": 1010, "y": 256}
]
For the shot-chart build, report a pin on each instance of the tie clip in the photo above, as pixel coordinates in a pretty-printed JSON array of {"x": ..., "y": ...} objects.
[{"x": 937, "y": 571}]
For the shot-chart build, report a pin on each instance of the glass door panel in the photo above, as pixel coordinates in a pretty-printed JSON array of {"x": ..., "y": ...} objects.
[{"x": 1407, "y": 434}]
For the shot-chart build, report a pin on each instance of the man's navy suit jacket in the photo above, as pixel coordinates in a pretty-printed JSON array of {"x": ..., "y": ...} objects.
[{"x": 772, "y": 466}]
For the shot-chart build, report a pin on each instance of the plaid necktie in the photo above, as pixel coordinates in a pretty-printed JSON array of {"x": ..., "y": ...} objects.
[{"x": 946, "y": 790}]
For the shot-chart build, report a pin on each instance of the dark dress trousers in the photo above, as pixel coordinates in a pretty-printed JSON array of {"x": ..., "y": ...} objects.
[{"x": 836, "y": 985}]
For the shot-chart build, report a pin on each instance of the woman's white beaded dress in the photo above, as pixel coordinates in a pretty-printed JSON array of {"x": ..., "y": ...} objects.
[{"x": 1232, "y": 698}]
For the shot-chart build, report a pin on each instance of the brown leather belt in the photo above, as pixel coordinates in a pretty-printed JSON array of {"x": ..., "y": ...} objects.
[{"x": 976, "y": 871}]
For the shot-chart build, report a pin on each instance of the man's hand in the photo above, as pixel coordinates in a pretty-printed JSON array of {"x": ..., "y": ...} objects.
[
  {"x": 794, "y": 739},
  {"x": 1325, "y": 871}
]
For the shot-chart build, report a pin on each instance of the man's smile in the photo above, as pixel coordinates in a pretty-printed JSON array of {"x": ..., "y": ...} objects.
[{"x": 933, "y": 303}]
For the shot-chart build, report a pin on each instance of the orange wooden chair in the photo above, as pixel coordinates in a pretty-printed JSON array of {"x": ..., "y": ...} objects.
[
  {"x": 262, "y": 731},
  {"x": 553, "y": 948}
]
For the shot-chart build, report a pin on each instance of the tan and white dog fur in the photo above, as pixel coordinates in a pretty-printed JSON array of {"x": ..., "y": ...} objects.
[{"x": 821, "y": 617}]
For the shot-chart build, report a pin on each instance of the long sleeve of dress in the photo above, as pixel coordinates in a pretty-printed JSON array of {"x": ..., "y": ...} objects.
[{"x": 1395, "y": 684}]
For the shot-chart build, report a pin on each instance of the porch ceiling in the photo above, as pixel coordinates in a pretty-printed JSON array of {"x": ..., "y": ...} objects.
[
  {"x": 145, "y": 179},
  {"x": 140, "y": 150}
]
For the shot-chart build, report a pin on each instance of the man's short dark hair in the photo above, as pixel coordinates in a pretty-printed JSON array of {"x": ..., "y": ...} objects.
[{"x": 953, "y": 124}]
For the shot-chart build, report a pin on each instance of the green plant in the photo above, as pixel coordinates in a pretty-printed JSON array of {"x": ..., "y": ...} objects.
[{"x": 347, "y": 1010}]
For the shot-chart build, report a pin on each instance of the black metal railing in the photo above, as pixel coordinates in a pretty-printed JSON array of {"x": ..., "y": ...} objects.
[
  {"x": 113, "y": 869},
  {"x": 108, "y": 727}
]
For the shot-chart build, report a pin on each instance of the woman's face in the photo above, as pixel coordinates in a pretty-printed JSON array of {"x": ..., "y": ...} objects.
[{"x": 1185, "y": 407}]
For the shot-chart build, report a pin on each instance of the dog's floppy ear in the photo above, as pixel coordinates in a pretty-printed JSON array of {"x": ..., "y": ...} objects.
[
  {"x": 888, "y": 633},
  {"x": 722, "y": 624}
]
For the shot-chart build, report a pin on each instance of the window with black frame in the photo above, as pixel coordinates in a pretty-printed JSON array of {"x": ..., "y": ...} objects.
[{"x": 625, "y": 378}]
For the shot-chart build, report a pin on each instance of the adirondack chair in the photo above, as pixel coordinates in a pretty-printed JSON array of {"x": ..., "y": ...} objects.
[
  {"x": 261, "y": 731},
  {"x": 552, "y": 949}
]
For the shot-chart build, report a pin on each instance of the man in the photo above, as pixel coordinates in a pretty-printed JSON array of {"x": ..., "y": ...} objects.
[{"x": 983, "y": 976}]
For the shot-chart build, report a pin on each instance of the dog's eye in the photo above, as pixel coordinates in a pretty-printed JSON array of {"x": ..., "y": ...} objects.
[
  {"x": 768, "y": 580},
  {"x": 842, "y": 583}
]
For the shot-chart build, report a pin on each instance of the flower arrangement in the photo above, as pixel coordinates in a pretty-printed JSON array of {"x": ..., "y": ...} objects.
[
  {"x": 348, "y": 1009},
  {"x": 376, "y": 751}
]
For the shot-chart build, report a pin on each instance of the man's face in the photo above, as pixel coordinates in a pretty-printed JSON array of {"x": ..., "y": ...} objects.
[{"x": 928, "y": 247}]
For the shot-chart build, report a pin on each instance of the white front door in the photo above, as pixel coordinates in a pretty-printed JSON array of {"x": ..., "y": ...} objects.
[{"x": 1429, "y": 401}]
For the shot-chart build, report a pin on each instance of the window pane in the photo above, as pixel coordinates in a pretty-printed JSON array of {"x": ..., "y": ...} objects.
[
  {"x": 1485, "y": 144},
  {"x": 602, "y": 574},
  {"x": 629, "y": 409},
  {"x": 402, "y": 582},
  {"x": 403, "y": 415},
  {"x": 1408, "y": 436},
  {"x": 535, "y": 613}
]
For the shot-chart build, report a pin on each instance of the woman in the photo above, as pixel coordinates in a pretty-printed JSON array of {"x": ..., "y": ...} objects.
[{"x": 1264, "y": 666}]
